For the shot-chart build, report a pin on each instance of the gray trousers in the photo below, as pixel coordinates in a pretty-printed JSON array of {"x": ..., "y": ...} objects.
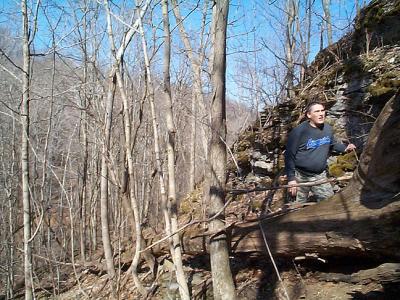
[{"x": 319, "y": 192}]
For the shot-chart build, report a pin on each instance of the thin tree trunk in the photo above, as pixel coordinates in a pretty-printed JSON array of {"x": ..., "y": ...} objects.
[
  {"x": 25, "y": 153},
  {"x": 105, "y": 154},
  {"x": 128, "y": 144},
  {"x": 9, "y": 175},
  {"x": 45, "y": 186},
  {"x": 308, "y": 43},
  {"x": 84, "y": 130},
  {"x": 198, "y": 102},
  {"x": 321, "y": 36},
  {"x": 192, "y": 146},
  {"x": 105, "y": 233},
  {"x": 223, "y": 286},
  {"x": 159, "y": 167},
  {"x": 304, "y": 43},
  {"x": 176, "y": 251},
  {"x": 327, "y": 15},
  {"x": 289, "y": 46},
  {"x": 357, "y": 5}
]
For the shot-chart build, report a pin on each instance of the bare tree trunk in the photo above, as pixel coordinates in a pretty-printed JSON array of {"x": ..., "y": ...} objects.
[
  {"x": 357, "y": 4},
  {"x": 45, "y": 186},
  {"x": 25, "y": 153},
  {"x": 309, "y": 22},
  {"x": 304, "y": 43},
  {"x": 84, "y": 133},
  {"x": 223, "y": 286},
  {"x": 105, "y": 233},
  {"x": 95, "y": 153},
  {"x": 321, "y": 36},
  {"x": 128, "y": 143},
  {"x": 290, "y": 46},
  {"x": 198, "y": 102},
  {"x": 327, "y": 15},
  {"x": 8, "y": 176},
  {"x": 176, "y": 251},
  {"x": 192, "y": 144}
]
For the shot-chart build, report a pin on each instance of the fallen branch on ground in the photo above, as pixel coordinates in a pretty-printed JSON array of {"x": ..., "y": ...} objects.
[
  {"x": 311, "y": 183},
  {"x": 238, "y": 192}
]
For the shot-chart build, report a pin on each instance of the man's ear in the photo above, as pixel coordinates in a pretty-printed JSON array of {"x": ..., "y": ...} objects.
[{"x": 308, "y": 115}]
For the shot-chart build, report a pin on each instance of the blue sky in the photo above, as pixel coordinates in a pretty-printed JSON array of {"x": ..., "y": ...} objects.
[
  {"x": 252, "y": 25},
  {"x": 256, "y": 22}
]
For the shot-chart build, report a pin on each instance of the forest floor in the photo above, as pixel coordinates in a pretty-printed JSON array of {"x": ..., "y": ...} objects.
[
  {"x": 303, "y": 281},
  {"x": 255, "y": 279}
]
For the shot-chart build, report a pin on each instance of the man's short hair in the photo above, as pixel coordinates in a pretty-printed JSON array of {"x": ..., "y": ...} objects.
[{"x": 311, "y": 104}]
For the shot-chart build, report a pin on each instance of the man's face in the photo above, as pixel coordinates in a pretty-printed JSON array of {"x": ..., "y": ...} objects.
[{"x": 316, "y": 115}]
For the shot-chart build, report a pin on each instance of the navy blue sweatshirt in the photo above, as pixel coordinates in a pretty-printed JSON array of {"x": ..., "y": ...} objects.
[{"x": 308, "y": 148}]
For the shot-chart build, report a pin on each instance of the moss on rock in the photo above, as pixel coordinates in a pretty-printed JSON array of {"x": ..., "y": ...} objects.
[
  {"x": 243, "y": 159},
  {"x": 336, "y": 170},
  {"x": 245, "y": 141},
  {"x": 344, "y": 163},
  {"x": 385, "y": 86},
  {"x": 379, "y": 91}
]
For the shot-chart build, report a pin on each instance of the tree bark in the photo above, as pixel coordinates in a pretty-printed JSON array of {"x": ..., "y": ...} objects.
[
  {"x": 290, "y": 45},
  {"x": 84, "y": 134},
  {"x": 25, "y": 153},
  {"x": 223, "y": 287},
  {"x": 327, "y": 15},
  {"x": 104, "y": 177},
  {"x": 127, "y": 130},
  {"x": 357, "y": 5},
  {"x": 305, "y": 38},
  {"x": 198, "y": 101},
  {"x": 176, "y": 251}
]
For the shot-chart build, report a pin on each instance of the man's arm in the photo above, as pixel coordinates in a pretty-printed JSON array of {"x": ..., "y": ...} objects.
[
  {"x": 290, "y": 158},
  {"x": 290, "y": 153},
  {"x": 340, "y": 147}
]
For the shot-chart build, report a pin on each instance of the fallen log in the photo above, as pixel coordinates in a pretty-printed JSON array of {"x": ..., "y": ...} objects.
[
  {"x": 338, "y": 227},
  {"x": 385, "y": 273}
]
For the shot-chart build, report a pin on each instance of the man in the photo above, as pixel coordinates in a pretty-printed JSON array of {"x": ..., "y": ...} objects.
[{"x": 307, "y": 151}]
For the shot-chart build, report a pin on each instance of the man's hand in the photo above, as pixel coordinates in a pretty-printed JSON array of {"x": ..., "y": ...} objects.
[
  {"x": 350, "y": 147},
  {"x": 292, "y": 190}
]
